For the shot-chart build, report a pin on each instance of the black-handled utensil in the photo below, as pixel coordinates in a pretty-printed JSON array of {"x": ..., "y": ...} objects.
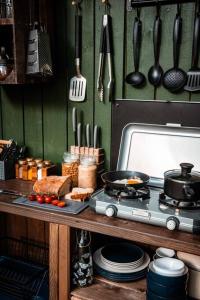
[
  {"x": 74, "y": 124},
  {"x": 155, "y": 72},
  {"x": 193, "y": 75},
  {"x": 88, "y": 135},
  {"x": 136, "y": 78},
  {"x": 175, "y": 78}
]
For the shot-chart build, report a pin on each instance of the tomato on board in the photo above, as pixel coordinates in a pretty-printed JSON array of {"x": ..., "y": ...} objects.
[
  {"x": 47, "y": 199},
  {"x": 61, "y": 204},
  {"x": 32, "y": 197},
  {"x": 55, "y": 202},
  {"x": 40, "y": 199}
]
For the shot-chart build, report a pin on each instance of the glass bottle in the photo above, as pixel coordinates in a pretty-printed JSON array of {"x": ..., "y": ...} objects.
[
  {"x": 87, "y": 170},
  {"x": 82, "y": 264}
]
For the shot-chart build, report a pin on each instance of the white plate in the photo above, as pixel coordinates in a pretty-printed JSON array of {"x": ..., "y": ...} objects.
[
  {"x": 153, "y": 270},
  {"x": 122, "y": 266},
  {"x": 165, "y": 252},
  {"x": 169, "y": 266},
  {"x": 98, "y": 261}
]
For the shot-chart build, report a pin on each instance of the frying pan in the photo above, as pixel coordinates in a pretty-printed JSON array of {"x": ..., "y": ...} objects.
[{"x": 109, "y": 179}]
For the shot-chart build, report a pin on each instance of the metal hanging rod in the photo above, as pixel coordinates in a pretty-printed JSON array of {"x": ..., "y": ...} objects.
[{"x": 131, "y": 4}]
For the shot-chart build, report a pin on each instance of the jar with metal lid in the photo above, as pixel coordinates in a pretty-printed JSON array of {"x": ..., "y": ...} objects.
[
  {"x": 39, "y": 170},
  {"x": 29, "y": 159},
  {"x": 38, "y": 160},
  {"x": 22, "y": 172},
  {"x": 31, "y": 164},
  {"x": 87, "y": 172},
  {"x": 47, "y": 163},
  {"x": 70, "y": 166}
]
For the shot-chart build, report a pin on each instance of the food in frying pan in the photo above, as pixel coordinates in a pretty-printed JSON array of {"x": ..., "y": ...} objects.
[{"x": 135, "y": 180}]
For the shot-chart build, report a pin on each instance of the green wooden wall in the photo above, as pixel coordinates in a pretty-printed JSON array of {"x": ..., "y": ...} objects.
[{"x": 40, "y": 115}]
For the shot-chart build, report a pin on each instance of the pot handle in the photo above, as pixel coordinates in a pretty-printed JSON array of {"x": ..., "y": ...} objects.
[
  {"x": 188, "y": 191},
  {"x": 186, "y": 169}
]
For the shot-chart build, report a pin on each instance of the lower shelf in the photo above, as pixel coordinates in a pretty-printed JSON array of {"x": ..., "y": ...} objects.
[{"x": 108, "y": 290}]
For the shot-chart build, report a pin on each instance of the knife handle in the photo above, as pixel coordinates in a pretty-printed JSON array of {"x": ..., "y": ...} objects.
[
  {"x": 79, "y": 130},
  {"x": 74, "y": 118},
  {"x": 95, "y": 136},
  {"x": 88, "y": 133}
]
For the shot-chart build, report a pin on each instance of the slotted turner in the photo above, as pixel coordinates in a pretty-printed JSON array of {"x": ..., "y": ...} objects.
[
  {"x": 78, "y": 82},
  {"x": 193, "y": 75}
]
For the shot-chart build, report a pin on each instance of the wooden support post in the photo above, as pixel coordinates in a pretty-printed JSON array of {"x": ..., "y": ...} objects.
[{"x": 53, "y": 261}]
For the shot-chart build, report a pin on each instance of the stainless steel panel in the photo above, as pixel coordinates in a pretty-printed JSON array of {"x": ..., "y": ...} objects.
[{"x": 154, "y": 149}]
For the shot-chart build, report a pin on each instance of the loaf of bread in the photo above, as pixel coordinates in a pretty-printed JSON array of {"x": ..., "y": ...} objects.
[{"x": 58, "y": 185}]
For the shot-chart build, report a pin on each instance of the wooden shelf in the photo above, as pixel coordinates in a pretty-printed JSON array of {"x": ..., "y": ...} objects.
[
  {"x": 6, "y": 21},
  {"x": 108, "y": 290}
]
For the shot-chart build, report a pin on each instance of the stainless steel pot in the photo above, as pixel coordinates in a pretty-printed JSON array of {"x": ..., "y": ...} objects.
[{"x": 182, "y": 185}]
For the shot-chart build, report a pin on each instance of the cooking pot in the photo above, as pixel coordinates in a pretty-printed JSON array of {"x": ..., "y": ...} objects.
[
  {"x": 182, "y": 185},
  {"x": 110, "y": 179}
]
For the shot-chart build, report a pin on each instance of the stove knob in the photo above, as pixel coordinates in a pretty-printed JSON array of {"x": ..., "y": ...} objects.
[
  {"x": 172, "y": 223},
  {"x": 111, "y": 211}
]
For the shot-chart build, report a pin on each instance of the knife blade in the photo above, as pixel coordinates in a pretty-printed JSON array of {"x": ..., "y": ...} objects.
[
  {"x": 74, "y": 124},
  {"x": 96, "y": 136},
  {"x": 88, "y": 135},
  {"x": 79, "y": 134}
]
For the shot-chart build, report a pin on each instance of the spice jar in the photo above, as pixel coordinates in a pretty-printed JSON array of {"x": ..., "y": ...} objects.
[
  {"x": 46, "y": 163},
  {"x": 87, "y": 172},
  {"x": 31, "y": 164},
  {"x": 38, "y": 160},
  {"x": 22, "y": 171},
  {"x": 28, "y": 159},
  {"x": 39, "y": 170},
  {"x": 70, "y": 166}
]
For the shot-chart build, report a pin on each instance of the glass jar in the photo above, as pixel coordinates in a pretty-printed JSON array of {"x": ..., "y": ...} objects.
[
  {"x": 70, "y": 166},
  {"x": 31, "y": 164},
  {"x": 87, "y": 173},
  {"x": 22, "y": 171},
  {"x": 38, "y": 160},
  {"x": 39, "y": 170},
  {"x": 28, "y": 159},
  {"x": 47, "y": 163}
]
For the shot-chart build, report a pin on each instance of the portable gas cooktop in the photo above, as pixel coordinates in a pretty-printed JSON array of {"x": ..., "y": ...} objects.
[{"x": 154, "y": 149}]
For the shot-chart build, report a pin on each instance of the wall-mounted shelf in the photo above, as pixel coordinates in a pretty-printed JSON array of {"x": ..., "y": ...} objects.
[
  {"x": 6, "y": 21},
  {"x": 131, "y": 4}
]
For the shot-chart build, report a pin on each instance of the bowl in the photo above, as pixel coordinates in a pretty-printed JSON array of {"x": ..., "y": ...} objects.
[
  {"x": 169, "y": 266},
  {"x": 166, "y": 290},
  {"x": 164, "y": 252},
  {"x": 167, "y": 280}
]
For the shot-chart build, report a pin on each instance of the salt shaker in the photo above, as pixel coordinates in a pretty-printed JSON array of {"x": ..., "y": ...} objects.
[{"x": 82, "y": 264}]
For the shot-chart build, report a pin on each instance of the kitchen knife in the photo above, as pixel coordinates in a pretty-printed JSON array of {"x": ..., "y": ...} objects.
[
  {"x": 74, "y": 124},
  {"x": 79, "y": 133},
  {"x": 88, "y": 135},
  {"x": 96, "y": 136}
]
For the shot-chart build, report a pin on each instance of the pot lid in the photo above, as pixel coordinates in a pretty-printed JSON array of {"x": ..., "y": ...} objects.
[
  {"x": 185, "y": 175},
  {"x": 154, "y": 149}
]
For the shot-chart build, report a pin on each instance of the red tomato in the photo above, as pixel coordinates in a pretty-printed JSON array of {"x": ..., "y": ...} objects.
[
  {"x": 32, "y": 197},
  {"x": 61, "y": 204},
  {"x": 54, "y": 197},
  {"x": 47, "y": 199},
  {"x": 55, "y": 202},
  {"x": 40, "y": 199}
]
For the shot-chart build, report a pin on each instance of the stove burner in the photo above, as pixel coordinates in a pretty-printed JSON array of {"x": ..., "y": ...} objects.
[
  {"x": 163, "y": 199},
  {"x": 128, "y": 193}
]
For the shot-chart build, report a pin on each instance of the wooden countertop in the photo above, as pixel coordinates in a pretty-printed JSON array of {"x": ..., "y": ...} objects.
[{"x": 89, "y": 220}]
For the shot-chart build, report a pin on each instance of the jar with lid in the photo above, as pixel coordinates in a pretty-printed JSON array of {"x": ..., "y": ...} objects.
[
  {"x": 39, "y": 170},
  {"x": 47, "y": 163},
  {"x": 38, "y": 160},
  {"x": 70, "y": 166},
  {"x": 28, "y": 159},
  {"x": 31, "y": 164},
  {"x": 87, "y": 172},
  {"x": 22, "y": 171}
]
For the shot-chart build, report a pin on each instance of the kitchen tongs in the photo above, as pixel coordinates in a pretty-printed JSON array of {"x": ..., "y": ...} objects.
[{"x": 106, "y": 48}]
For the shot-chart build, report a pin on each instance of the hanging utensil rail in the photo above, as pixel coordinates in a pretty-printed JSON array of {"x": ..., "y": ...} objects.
[{"x": 131, "y": 4}]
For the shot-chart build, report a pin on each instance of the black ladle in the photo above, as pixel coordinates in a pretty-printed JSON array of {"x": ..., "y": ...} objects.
[
  {"x": 156, "y": 72},
  {"x": 136, "y": 78},
  {"x": 175, "y": 79}
]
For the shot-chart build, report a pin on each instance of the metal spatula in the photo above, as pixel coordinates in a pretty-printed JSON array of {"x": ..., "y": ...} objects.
[
  {"x": 193, "y": 75},
  {"x": 78, "y": 82}
]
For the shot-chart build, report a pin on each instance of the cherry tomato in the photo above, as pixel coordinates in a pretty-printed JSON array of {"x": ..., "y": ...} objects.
[
  {"x": 47, "y": 199},
  {"x": 40, "y": 199},
  {"x": 54, "y": 197},
  {"x": 55, "y": 202},
  {"x": 32, "y": 197},
  {"x": 61, "y": 204}
]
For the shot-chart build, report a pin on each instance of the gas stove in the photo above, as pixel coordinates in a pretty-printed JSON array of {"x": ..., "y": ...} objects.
[{"x": 150, "y": 210}]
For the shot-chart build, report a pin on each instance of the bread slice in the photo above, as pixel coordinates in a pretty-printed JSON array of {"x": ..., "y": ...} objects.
[
  {"x": 79, "y": 194},
  {"x": 58, "y": 185}
]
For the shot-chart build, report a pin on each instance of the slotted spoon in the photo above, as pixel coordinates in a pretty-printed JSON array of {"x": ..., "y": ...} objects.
[
  {"x": 78, "y": 82},
  {"x": 193, "y": 75}
]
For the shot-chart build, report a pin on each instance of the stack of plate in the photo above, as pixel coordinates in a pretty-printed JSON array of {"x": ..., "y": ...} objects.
[{"x": 121, "y": 262}]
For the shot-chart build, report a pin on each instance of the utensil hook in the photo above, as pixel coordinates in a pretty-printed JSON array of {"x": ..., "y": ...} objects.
[
  {"x": 157, "y": 9},
  {"x": 197, "y": 7},
  {"x": 138, "y": 13},
  {"x": 77, "y": 3},
  {"x": 179, "y": 9},
  {"x": 107, "y": 6}
]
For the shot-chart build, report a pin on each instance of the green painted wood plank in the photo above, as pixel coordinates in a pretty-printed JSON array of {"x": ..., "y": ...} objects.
[
  {"x": 1, "y": 127},
  {"x": 33, "y": 127},
  {"x": 85, "y": 109},
  {"x": 146, "y": 55},
  {"x": 103, "y": 110},
  {"x": 12, "y": 113},
  {"x": 166, "y": 59}
]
